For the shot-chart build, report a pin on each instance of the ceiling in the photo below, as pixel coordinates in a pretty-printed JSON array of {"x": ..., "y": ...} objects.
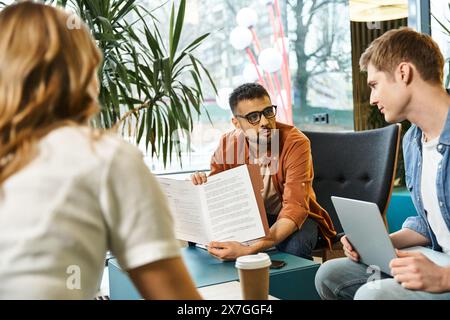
[{"x": 378, "y": 10}]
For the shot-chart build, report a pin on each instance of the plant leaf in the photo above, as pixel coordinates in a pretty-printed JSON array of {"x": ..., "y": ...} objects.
[{"x": 175, "y": 39}]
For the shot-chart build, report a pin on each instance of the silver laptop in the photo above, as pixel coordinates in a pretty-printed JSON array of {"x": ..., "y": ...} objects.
[{"x": 365, "y": 229}]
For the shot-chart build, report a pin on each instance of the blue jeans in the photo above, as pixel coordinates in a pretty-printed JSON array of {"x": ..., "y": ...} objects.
[
  {"x": 345, "y": 279},
  {"x": 302, "y": 242}
]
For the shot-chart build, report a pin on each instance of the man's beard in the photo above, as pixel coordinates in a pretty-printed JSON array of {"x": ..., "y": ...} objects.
[{"x": 262, "y": 139}]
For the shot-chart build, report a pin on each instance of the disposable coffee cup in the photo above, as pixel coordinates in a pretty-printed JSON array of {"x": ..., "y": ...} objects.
[{"x": 254, "y": 276}]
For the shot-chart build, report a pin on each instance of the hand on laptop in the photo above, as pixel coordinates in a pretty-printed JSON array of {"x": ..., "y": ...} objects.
[
  {"x": 199, "y": 178},
  {"x": 348, "y": 249}
]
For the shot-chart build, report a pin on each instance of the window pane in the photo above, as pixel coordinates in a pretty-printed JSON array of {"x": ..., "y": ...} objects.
[
  {"x": 319, "y": 54},
  {"x": 321, "y": 64},
  {"x": 441, "y": 12}
]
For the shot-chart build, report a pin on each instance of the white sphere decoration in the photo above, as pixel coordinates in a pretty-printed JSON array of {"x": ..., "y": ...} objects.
[
  {"x": 222, "y": 97},
  {"x": 270, "y": 60},
  {"x": 249, "y": 73},
  {"x": 246, "y": 18},
  {"x": 240, "y": 38}
]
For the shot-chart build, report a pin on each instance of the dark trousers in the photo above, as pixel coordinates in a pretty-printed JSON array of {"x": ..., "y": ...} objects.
[{"x": 302, "y": 242}]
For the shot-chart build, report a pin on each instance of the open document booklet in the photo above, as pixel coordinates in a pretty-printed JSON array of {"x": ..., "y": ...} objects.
[{"x": 229, "y": 207}]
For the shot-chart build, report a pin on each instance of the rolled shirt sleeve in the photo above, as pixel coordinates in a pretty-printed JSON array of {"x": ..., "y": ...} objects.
[{"x": 418, "y": 225}]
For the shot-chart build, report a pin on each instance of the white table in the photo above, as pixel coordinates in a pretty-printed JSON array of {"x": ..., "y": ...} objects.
[{"x": 224, "y": 291}]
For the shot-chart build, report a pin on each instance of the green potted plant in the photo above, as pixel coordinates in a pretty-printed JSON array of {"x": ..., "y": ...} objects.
[{"x": 151, "y": 88}]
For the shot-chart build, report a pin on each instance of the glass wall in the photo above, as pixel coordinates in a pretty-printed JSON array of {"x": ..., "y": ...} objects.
[
  {"x": 319, "y": 59},
  {"x": 317, "y": 40},
  {"x": 440, "y": 31},
  {"x": 321, "y": 64}
]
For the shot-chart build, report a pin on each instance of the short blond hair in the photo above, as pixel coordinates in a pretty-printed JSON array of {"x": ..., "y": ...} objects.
[{"x": 405, "y": 45}]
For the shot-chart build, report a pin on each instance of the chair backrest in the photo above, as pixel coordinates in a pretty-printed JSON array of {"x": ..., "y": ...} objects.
[{"x": 359, "y": 165}]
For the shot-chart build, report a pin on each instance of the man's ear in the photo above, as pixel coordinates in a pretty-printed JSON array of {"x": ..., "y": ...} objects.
[
  {"x": 405, "y": 72},
  {"x": 235, "y": 123}
]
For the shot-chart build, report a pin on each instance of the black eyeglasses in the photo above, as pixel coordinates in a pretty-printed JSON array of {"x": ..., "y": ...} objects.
[{"x": 255, "y": 116}]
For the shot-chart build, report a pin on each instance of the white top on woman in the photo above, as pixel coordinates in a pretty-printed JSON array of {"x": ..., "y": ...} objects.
[{"x": 77, "y": 199}]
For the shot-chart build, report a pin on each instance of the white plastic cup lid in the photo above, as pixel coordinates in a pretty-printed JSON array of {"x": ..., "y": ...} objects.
[{"x": 253, "y": 261}]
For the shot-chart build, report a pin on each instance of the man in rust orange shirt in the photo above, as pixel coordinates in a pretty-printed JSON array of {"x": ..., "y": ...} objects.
[{"x": 284, "y": 155}]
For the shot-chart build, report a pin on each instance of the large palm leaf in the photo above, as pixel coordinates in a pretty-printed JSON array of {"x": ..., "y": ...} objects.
[{"x": 150, "y": 88}]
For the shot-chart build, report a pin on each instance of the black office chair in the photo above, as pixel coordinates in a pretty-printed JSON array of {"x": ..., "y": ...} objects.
[{"x": 358, "y": 165}]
